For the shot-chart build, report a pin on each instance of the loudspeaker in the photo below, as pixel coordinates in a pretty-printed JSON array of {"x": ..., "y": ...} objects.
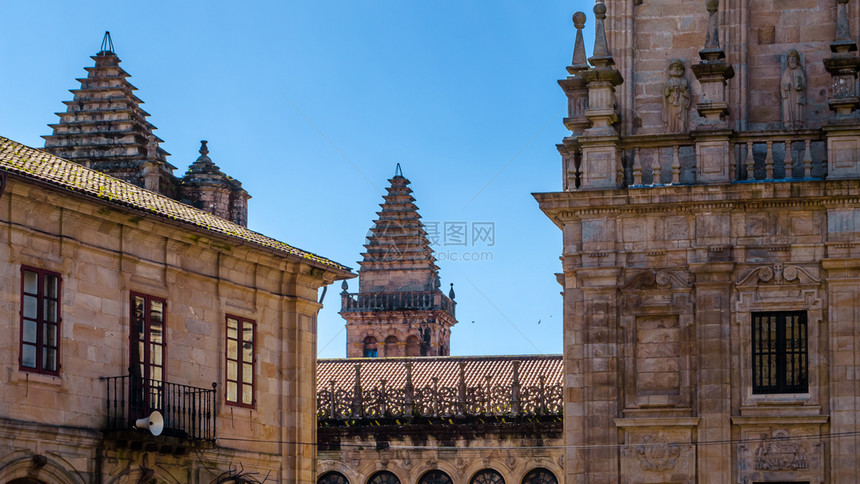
[{"x": 155, "y": 423}]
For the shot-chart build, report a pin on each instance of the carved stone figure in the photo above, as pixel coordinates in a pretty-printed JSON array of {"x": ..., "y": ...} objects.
[
  {"x": 792, "y": 88},
  {"x": 676, "y": 99}
]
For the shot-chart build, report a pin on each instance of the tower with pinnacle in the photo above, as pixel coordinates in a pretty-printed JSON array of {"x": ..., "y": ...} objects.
[
  {"x": 400, "y": 309},
  {"x": 104, "y": 128}
]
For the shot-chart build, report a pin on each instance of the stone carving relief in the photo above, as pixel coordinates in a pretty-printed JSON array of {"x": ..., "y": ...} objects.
[
  {"x": 657, "y": 454},
  {"x": 666, "y": 279},
  {"x": 778, "y": 274},
  {"x": 676, "y": 99},
  {"x": 792, "y": 90},
  {"x": 779, "y": 452}
]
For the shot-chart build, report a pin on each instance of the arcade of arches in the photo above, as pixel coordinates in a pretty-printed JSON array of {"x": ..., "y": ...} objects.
[{"x": 436, "y": 476}]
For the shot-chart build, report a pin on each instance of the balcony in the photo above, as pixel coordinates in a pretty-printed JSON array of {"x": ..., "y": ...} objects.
[
  {"x": 396, "y": 301},
  {"x": 189, "y": 412}
]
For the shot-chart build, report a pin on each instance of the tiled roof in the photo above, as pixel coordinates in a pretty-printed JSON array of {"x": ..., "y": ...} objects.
[
  {"x": 35, "y": 164},
  {"x": 446, "y": 368}
]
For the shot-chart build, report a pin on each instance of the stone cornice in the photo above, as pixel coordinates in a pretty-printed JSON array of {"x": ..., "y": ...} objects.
[{"x": 562, "y": 206}]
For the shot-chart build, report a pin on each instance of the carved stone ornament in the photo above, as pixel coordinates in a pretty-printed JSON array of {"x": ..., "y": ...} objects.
[
  {"x": 778, "y": 274},
  {"x": 657, "y": 454},
  {"x": 780, "y": 452},
  {"x": 653, "y": 279}
]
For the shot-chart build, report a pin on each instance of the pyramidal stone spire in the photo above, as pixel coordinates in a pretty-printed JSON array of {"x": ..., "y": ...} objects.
[
  {"x": 104, "y": 128},
  {"x": 397, "y": 254},
  {"x": 400, "y": 309}
]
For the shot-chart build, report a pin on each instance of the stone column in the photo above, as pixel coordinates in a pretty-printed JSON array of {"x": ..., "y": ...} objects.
[
  {"x": 712, "y": 135},
  {"x": 601, "y": 154},
  {"x": 713, "y": 350}
]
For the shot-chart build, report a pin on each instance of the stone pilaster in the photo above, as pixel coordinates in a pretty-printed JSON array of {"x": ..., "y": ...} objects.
[
  {"x": 843, "y": 319},
  {"x": 713, "y": 369}
]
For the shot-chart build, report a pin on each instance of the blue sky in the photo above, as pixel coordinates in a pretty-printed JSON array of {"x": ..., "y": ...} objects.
[{"x": 311, "y": 104}]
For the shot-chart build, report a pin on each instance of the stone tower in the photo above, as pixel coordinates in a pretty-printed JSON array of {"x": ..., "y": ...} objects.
[
  {"x": 105, "y": 129},
  {"x": 399, "y": 309}
]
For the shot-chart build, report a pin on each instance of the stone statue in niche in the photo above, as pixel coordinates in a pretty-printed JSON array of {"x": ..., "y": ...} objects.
[
  {"x": 792, "y": 90},
  {"x": 676, "y": 99}
]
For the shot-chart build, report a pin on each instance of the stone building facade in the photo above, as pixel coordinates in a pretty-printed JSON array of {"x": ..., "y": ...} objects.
[
  {"x": 709, "y": 215},
  {"x": 117, "y": 302},
  {"x": 104, "y": 128}
]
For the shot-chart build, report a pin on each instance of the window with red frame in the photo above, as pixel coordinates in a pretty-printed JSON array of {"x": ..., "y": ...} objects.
[
  {"x": 40, "y": 321},
  {"x": 240, "y": 361}
]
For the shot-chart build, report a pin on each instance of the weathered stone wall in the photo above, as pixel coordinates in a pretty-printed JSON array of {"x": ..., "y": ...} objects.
[
  {"x": 660, "y": 285},
  {"x": 103, "y": 252}
]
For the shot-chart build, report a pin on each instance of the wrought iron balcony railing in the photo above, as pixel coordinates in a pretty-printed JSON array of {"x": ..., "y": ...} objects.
[
  {"x": 396, "y": 301},
  {"x": 189, "y": 412},
  {"x": 431, "y": 401}
]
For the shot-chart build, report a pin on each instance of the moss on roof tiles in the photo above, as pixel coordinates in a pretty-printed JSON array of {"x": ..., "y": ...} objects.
[{"x": 40, "y": 165}]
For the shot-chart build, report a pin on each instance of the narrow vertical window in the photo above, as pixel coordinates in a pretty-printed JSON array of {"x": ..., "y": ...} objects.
[
  {"x": 780, "y": 352},
  {"x": 240, "y": 361},
  {"x": 40, "y": 321},
  {"x": 148, "y": 340}
]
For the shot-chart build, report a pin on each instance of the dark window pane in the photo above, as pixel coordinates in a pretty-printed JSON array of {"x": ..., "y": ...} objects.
[
  {"x": 31, "y": 307},
  {"x": 31, "y": 282},
  {"x": 29, "y": 335},
  {"x": 28, "y": 356}
]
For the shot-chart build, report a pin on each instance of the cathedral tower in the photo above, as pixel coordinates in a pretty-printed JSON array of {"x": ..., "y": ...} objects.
[{"x": 399, "y": 309}]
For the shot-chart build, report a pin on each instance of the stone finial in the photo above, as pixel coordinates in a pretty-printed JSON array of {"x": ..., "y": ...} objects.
[
  {"x": 398, "y": 172},
  {"x": 843, "y": 67},
  {"x": 600, "y": 54},
  {"x": 712, "y": 51},
  {"x": 107, "y": 45},
  {"x": 344, "y": 286},
  {"x": 451, "y": 292},
  {"x": 204, "y": 150},
  {"x": 712, "y": 73},
  {"x": 580, "y": 61},
  {"x": 844, "y": 43}
]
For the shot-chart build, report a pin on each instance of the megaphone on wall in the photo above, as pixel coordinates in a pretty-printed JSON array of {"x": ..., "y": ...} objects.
[{"x": 154, "y": 423}]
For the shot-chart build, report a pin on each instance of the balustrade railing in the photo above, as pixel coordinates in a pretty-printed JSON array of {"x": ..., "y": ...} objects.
[
  {"x": 435, "y": 400},
  {"x": 753, "y": 156},
  {"x": 779, "y": 156},
  {"x": 189, "y": 412},
  {"x": 396, "y": 301}
]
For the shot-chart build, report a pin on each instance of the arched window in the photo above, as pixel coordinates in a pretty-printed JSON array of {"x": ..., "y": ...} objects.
[
  {"x": 391, "y": 346},
  {"x": 383, "y": 477},
  {"x": 487, "y": 476},
  {"x": 370, "y": 347},
  {"x": 413, "y": 346},
  {"x": 540, "y": 476},
  {"x": 332, "y": 477},
  {"x": 435, "y": 477}
]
